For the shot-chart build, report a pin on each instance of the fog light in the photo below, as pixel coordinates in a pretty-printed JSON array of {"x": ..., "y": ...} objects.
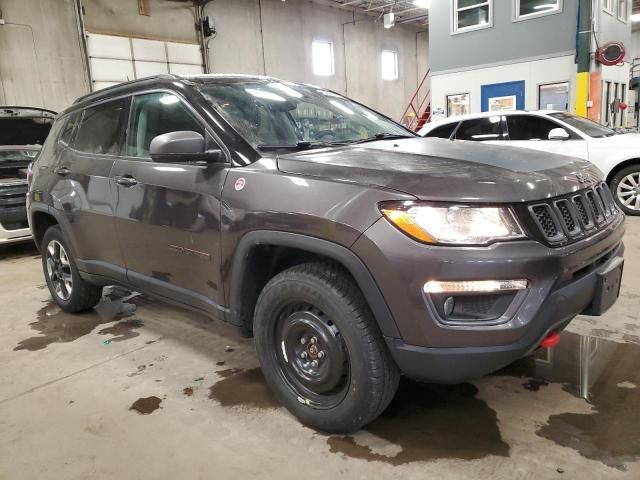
[
  {"x": 449, "y": 304},
  {"x": 475, "y": 286}
]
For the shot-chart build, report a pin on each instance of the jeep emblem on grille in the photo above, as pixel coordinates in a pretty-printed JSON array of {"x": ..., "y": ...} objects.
[{"x": 582, "y": 177}]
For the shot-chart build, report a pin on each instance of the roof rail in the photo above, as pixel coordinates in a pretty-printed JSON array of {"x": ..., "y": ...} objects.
[{"x": 115, "y": 88}]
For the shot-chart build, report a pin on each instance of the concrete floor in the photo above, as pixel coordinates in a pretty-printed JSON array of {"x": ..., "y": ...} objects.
[{"x": 72, "y": 389}]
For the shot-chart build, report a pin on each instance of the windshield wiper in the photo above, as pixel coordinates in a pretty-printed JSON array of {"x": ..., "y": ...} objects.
[
  {"x": 382, "y": 136},
  {"x": 294, "y": 146}
]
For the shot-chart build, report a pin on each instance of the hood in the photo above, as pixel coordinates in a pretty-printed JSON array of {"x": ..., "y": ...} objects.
[
  {"x": 626, "y": 140},
  {"x": 441, "y": 170},
  {"x": 25, "y": 125}
]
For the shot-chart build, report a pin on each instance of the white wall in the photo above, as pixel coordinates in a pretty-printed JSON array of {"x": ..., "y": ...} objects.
[
  {"x": 534, "y": 73},
  {"x": 254, "y": 36},
  {"x": 271, "y": 37},
  {"x": 40, "y": 59},
  {"x": 633, "y": 47}
]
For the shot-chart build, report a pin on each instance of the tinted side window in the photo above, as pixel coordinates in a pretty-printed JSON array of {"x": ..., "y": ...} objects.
[
  {"x": 529, "y": 127},
  {"x": 444, "y": 131},
  {"x": 154, "y": 114},
  {"x": 99, "y": 130},
  {"x": 480, "y": 129}
]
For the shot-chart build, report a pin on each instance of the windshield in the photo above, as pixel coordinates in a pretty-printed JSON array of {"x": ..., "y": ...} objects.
[
  {"x": 18, "y": 155},
  {"x": 586, "y": 126},
  {"x": 288, "y": 114}
]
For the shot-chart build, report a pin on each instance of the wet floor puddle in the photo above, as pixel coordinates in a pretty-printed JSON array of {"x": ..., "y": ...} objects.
[
  {"x": 239, "y": 387},
  {"x": 56, "y": 326},
  {"x": 146, "y": 405},
  {"x": 426, "y": 422},
  {"x": 607, "y": 376}
]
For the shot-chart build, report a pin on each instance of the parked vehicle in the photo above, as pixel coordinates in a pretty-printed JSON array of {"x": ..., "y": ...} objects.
[
  {"x": 22, "y": 131},
  {"x": 351, "y": 249},
  {"x": 617, "y": 156}
]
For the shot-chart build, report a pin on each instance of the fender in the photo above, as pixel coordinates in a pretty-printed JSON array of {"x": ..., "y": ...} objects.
[{"x": 340, "y": 254}]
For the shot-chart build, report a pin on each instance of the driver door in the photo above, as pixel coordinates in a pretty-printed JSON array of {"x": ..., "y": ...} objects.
[
  {"x": 532, "y": 131},
  {"x": 168, "y": 214}
]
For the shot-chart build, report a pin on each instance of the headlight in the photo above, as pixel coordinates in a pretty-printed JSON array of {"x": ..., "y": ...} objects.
[{"x": 453, "y": 224}]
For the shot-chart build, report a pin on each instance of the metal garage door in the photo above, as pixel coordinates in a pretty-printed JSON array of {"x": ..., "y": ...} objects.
[{"x": 114, "y": 59}]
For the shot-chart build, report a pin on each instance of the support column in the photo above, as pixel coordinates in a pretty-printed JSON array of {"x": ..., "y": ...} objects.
[{"x": 583, "y": 56}]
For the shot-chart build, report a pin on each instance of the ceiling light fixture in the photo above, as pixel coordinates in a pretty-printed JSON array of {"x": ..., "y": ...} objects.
[
  {"x": 389, "y": 20},
  {"x": 422, "y": 3},
  {"x": 635, "y": 18}
]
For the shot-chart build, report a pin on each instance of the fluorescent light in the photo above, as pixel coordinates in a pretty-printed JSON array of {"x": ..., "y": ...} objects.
[
  {"x": 342, "y": 107},
  {"x": 635, "y": 18},
  {"x": 264, "y": 94},
  {"x": 475, "y": 286},
  {"x": 546, "y": 6},
  {"x": 169, "y": 99},
  {"x": 285, "y": 89},
  {"x": 422, "y": 3}
]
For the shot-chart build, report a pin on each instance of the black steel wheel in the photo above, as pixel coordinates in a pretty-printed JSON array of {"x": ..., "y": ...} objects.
[
  {"x": 314, "y": 358},
  {"x": 321, "y": 350}
]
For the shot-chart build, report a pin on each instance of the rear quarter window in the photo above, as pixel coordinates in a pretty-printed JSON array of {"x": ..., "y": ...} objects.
[
  {"x": 480, "y": 129},
  {"x": 443, "y": 131}
]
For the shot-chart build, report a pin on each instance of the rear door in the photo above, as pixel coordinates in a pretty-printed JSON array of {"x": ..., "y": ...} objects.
[
  {"x": 83, "y": 192},
  {"x": 168, "y": 214},
  {"x": 532, "y": 131}
]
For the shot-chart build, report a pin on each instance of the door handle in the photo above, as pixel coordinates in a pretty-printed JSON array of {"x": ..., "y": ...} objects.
[
  {"x": 126, "y": 181},
  {"x": 63, "y": 171}
]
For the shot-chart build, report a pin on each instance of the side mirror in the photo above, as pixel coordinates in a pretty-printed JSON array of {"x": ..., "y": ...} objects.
[
  {"x": 182, "y": 147},
  {"x": 558, "y": 134}
]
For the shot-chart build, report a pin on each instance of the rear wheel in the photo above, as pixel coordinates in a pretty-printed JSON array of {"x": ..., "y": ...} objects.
[
  {"x": 625, "y": 186},
  {"x": 320, "y": 349},
  {"x": 68, "y": 289}
]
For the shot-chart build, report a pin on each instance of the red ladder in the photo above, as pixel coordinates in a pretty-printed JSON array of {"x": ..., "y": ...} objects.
[{"x": 418, "y": 112}]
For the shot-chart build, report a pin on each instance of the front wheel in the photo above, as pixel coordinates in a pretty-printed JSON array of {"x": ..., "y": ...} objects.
[
  {"x": 625, "y": 186},
  {"x": 321, "y": 350}
]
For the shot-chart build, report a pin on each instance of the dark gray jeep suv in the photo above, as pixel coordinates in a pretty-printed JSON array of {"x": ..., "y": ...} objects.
[{"x": 352, "y": 250}]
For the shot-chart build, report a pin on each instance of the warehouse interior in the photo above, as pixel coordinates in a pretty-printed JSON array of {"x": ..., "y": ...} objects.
[{"x": 145, "y": 386}]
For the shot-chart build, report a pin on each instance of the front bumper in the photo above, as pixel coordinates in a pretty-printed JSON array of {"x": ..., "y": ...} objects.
[
  {"x": 562, "y": 283},
  {"x": 14, "y": 236}
]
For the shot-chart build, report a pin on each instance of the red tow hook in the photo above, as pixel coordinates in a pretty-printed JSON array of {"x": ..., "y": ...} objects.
[{"x": 550, "y": 340}]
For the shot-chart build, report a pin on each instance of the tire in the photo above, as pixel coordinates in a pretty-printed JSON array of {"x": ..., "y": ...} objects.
[
  {"x": 60, "y": 268},
  {"x": 356, "y": 378},
  {"x": 623, "y": 189}
]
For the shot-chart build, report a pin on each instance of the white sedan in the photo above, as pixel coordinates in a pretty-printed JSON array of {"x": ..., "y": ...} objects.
[{"x": 616, "y": 155}]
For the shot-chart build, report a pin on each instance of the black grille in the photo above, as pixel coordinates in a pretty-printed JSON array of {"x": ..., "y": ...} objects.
[
  {"x": 595, "y": 206},
  {"x": 565, "y": 220},
  {"x": 567, "y": 216},
  {"x": 578, "y": 201},
  {"x": 545, "y": 220}
]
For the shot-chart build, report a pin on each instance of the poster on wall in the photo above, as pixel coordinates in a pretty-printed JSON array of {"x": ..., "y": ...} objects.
[
  {"x": 502, "y": 104},
  {"x": 457, "y": 105}
]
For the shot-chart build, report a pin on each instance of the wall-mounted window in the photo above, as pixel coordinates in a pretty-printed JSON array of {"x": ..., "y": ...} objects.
[
  {"x": 322, "y": 58},
  {"x": 471, "y": 15},
  {"x": 389, "y": 64},
  {"x": 525, "y": 9},
  {"x": 553, "y": 96},
  {"x": 607, "y": 6},
  {"x": 458, "y": 104},
  {"x": 623, "y": 10}
]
